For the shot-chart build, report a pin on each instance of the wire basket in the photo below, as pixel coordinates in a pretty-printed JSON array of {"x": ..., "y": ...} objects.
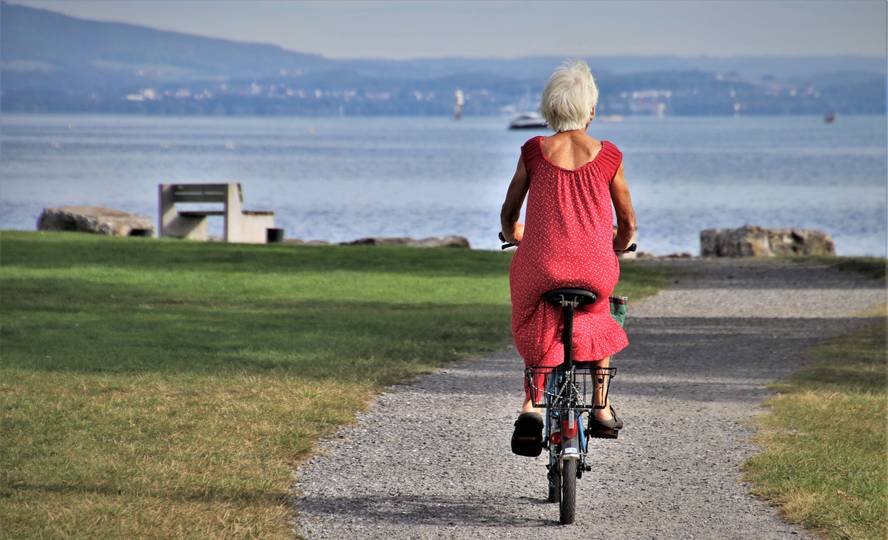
[{"x": 548, "y": 389}]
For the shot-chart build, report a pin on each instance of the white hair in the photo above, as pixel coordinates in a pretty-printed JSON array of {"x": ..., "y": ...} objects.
[{"x": 569, "y": 97}]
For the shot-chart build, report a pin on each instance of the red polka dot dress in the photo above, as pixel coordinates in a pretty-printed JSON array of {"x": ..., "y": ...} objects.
[{"x": 568, "y": 242}]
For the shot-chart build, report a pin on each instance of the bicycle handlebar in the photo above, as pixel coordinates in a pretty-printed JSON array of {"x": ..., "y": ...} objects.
[{"x": 506, "y": 245}]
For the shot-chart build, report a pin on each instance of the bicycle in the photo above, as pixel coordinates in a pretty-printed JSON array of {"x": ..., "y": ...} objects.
[{"x": 566, "y": 392}]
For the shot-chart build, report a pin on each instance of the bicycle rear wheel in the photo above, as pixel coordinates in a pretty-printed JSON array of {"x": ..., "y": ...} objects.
[
  {"x": 555, "y": 483},
  {"x": 568, "y": 504}
]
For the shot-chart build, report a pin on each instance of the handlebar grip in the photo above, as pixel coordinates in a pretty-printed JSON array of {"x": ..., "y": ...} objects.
[{"x": 506, "y": 245}]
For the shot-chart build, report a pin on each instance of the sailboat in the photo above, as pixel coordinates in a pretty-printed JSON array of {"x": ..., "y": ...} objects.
[{"x": 460, "y": 100}]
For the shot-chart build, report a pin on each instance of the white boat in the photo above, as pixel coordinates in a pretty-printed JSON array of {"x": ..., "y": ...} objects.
[
  {"x": 459, "y": 100},
  {"x": 529, "y": 120}
]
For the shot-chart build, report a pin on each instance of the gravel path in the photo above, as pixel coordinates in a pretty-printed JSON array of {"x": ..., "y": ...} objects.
[{"x": 432, "y": 459}]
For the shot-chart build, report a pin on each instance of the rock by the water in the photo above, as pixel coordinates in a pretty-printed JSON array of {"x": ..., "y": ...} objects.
[
  {"x": 434, "y": 241},
  {"x": 300, "y": 242},
  {"x": 378, "y": 241},
  {"x": 627, "y": 255},
  {"x": 754, "y": 241},
  {"x": 442, "y": 241},
  {"x": 95, "y": 219}
]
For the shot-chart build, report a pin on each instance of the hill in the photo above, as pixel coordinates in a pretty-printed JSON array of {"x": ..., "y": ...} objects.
[{"x": 56, "y": 63}]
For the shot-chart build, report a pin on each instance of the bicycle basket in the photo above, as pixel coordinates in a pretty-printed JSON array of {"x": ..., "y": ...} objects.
[{"x": 547, "y": 387}]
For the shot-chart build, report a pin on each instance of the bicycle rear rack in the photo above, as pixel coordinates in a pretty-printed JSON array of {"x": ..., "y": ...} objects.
[{"x": 538, "y": 381}]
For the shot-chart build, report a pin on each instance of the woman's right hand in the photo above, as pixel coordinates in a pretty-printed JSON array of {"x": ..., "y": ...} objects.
[
  {"x": 515, "y": 235},
  {"x": 518, "y": 232}
]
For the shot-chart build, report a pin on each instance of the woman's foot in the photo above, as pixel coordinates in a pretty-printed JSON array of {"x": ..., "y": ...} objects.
[
  {"x": 606, "y": 414},
  {"x": 527, "y": 439},
  {"x": 604, "y": 423},
  {"x": 528, "y": 407}
]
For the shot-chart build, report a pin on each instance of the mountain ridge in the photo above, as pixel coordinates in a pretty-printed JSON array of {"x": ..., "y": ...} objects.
[{"x": 55, "y": 62}]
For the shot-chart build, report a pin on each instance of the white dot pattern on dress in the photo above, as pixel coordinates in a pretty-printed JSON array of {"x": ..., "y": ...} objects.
[{"x": 568, "y": 242}]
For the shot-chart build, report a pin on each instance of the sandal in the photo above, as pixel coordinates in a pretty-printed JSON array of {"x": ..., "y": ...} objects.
[
  {"x": 527, "y": 440},
  {"x": 605, "y": 429}
]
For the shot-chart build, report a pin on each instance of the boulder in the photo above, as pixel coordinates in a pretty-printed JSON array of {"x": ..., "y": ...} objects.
[
  {"x": 627, "y": 255},
  {"x": 95, "y": 219},
  {"x": 441, "y": 241},
  {"x": 433, "y": 241},
  {"x": 301, "y": 242},
  {"x": 754, "y": 241},
  {"x": 378, "y": 241}
]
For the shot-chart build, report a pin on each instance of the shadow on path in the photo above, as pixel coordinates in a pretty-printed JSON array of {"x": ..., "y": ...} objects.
[{"x": 438, "y": 510}]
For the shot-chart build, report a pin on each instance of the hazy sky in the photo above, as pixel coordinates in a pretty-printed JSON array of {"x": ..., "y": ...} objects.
[{"x": 389, "y": 29}]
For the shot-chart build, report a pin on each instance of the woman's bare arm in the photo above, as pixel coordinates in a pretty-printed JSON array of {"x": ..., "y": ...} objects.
[
  {"x": 625, "y": 212},
  {"x": 514, "y": 199}
]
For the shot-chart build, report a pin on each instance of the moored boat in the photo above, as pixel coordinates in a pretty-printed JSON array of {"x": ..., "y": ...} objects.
[{"x": 529, "y": 120}]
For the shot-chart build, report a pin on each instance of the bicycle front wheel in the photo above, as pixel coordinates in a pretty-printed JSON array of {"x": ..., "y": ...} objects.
[{"x": 568, "y": 504}]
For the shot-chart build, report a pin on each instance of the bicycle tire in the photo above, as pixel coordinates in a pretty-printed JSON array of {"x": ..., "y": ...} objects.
[
  {"x": 554, "y": 476},
  {"x": 568, "y": 504},
  {"x": 554, "y": 484}
]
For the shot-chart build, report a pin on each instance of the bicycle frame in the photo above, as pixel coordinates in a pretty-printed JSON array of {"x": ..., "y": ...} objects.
[
  {"x": 566, "y": 398},
  {"x": 563, "y": 426}
]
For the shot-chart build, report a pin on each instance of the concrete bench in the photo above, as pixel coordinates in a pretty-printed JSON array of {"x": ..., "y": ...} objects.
[{"x": 247, "y": 226}]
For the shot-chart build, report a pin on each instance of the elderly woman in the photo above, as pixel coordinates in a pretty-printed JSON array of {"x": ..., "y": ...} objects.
[{"x": 572, "y": 182}]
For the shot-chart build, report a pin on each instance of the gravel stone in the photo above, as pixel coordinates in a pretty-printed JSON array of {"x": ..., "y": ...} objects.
[{"x": 432, "y": 459}]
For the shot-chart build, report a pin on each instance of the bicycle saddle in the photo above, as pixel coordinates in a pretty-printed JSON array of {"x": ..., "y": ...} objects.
[{"x": 582, "y": 296}]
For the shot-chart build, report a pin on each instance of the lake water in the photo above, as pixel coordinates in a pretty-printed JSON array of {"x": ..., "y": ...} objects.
[{"x": 343, "y": 178}]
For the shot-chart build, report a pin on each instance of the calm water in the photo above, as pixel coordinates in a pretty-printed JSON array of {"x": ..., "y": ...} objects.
[{"x": 343, "y": 178}]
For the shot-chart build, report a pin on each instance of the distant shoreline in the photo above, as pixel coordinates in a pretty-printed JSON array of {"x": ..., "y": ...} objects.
[
  {"x": 416, "y": 243},
  {"x": 465, "y": 118}
]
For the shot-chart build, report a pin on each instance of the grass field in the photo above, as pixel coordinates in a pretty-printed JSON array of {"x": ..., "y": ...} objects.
[
  {"x": 824, "y": 438},
  {"x": 157, "y": 388},
  {"x": 873, "y": 267}
]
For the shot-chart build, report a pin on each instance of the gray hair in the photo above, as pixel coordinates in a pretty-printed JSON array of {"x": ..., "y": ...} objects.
[{"x": 569, "y": 97}]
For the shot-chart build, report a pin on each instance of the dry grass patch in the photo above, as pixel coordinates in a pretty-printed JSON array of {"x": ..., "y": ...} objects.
[
  {"x": 824, "y": 439},
  {"x": 157, "y": 388},
  {"x": 126, "y": 456}
]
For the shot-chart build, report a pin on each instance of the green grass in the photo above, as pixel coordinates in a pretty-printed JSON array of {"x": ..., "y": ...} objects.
[
  {"x": 157, "y": 388},
  {"x": 824, "y": 439},
  {"x": 873, "y": 267}
]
